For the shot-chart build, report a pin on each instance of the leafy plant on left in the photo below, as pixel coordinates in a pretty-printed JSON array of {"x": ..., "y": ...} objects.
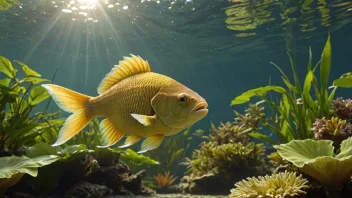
[{"x": 18, "y": 97}]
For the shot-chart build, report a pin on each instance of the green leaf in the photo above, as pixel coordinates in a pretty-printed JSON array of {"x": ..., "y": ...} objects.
[
  {"x": 308, "y": 83},
  {"x": 72, "y": 149},
  {"x": 6, "y": 67},
  {"x": 176, "y": 156},
  {"x": 5, "y": 82},
  {"x": 13, "y": 165},
  {"x": 261, "y": 91},
  {"x": 346, "y": 149},
  {"x": 317, "y": 159},
  {"x": 344, "y": 81},
  {"x": 40, "y": 149},
  {"x": 290, "y": 86},
  {"x": 138, "y": 159},
  {"x": 27, "y": 70},
  {"x": 310, "y": 60},
  {"x": 46, "y": 159},
  {"x": 262, "y": 137},
  {"x": 35, "y": 80},
  {"x": 325, "y": 64},
  {"x": 37, "y": 95}
]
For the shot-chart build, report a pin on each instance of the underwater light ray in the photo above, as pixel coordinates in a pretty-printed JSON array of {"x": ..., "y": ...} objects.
[
  {"x": 75, "y": 53},
  {"x": 49, "y": 27},
  {"x": 97, "y": 55},
  {"x": 86, "y": 57},
  {"x": 66, "y": 39},
  {"x": 110, "y": 25}
]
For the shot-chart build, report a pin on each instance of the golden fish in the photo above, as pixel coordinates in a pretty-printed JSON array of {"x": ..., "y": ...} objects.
[{"x": 136, "y": 103}]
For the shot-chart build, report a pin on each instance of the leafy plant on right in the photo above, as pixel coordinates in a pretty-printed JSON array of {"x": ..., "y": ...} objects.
[
  {"x": 317, "y": 159},
  {"x": 300, "y": 104}
]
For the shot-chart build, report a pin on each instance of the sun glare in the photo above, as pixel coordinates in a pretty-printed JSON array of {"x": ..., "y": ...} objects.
[{"x": 88, "y": 1}]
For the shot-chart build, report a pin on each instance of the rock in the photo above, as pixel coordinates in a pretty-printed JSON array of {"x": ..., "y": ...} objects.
[
  {"x": 88, "y": 190},
  {"x": 21, "y": 195},
  {"x": 174, "y": 189},
  {"x": 120, "y": 179}
]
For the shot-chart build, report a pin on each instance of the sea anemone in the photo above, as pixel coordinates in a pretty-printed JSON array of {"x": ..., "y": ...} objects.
[
  {"x": 334, "y": 129},
  {"x": 286, "y": 184},
  {"x": 343, "y": 108}
]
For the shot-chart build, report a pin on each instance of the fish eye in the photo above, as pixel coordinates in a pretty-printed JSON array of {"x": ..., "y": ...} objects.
[{"x": 182, "y": 98}]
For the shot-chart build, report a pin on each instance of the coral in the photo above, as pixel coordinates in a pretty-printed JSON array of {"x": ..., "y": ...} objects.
[
  {"x": 226, "y": 157},
  {"x": 334, "y": 129},
  {"x": 227, "y": 133},
  {"x": 343, "y": 108},
  {"x": 253, "y": 114},
  {"x": 286, "y": 184},
  {"x": 164, "y": 181}
]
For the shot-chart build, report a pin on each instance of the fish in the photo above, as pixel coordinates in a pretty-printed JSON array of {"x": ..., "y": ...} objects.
[{"x": 134, "y": 102}]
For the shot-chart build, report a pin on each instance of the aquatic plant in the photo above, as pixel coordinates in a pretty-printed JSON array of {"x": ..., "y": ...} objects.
[
  {"x": 229, "y": 147},
  {"x": 164, "y": 181},
  {"x": 75, "y": 164},
  {"x": 13, "y": 168},
  {"x": 7, "y": 4},
  {"x": 317, "y": 159},
  {"x": 226, "y": 157},
  {"x": 18, "y": 98},
  {"x": 293, "y": 116},
  {"x": 172, "y": 151},
  {"x": 89, "y": 136},
  {"x": 334, "y": 129},
  {"x": 286, "y": 184},
  {"x": 342, "y": 108},
  {"x": 134, "y": 159},
  {"x": 228, "y": 133}
]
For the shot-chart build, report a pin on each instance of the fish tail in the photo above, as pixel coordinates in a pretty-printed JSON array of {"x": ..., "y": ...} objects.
[{"x": 72, "y": 102}]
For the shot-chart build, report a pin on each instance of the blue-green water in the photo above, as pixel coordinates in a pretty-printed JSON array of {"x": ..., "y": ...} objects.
[
  {"x": 218, "y": 48},
  {"x": 189, "y": 41}
]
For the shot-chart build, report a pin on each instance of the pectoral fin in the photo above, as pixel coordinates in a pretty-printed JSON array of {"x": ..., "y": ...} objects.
[
  {"x": 130, "y": 140},
  {"x": 143, "y": 119},
  {"x": 151, "y": 143}
]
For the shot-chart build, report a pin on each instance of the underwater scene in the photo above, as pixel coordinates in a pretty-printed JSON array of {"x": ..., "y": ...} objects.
[{"x": 176, "y": 98}]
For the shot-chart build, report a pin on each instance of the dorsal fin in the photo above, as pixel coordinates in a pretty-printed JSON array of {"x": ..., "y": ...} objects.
[{"x": 128, "y": 67}]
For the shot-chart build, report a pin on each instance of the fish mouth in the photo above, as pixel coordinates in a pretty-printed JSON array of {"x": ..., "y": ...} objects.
[{"x": 200, "y": 107}]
